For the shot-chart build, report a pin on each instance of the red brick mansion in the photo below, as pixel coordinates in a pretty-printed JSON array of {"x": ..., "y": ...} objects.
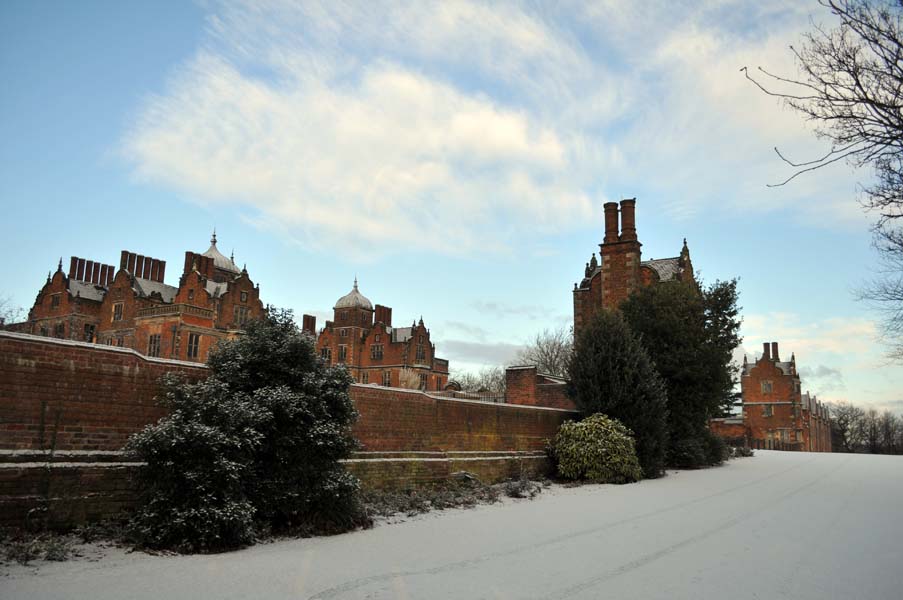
[
  {"x": 362, "y": 337},
  {"x": 620, "y": 270}
]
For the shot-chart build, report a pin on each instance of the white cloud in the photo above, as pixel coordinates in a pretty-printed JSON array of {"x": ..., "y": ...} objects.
[{"x": 466, "y": 127}]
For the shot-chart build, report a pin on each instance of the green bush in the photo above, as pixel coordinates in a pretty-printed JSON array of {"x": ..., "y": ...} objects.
[
  {"x": 717, "y": 451},
  {"x": 689, "y": 453},
  {"x": 598, "y": 449},
  {"x": 611, "y": 373},
  {"x": 253, "y": 448}
]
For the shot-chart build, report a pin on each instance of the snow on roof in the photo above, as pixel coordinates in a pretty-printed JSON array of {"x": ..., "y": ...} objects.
[
  {"x": 85, "y": 290},
  {"x": 146, "y": 287},
  {"x": 401, "y": 334},
  {"x": 216, "y": 289}
]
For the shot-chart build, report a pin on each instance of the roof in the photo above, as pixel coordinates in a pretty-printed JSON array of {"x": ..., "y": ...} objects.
[
  {"x": 402, "y": 334},
  {"x": 354, "y": 299},
  {"x": 220, "y": 261},
  {"x": 667, "y": 268},
  {"x": 88, "y": 291},
  {"x": 216, "y": 289},
  {"x": 146, "y": 287},
  {"x": 784, "y": 366}
]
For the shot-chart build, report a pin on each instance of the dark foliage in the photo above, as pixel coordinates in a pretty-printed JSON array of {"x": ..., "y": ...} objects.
[
  {"x": 611, "y": 373},
  {"x": 255, "y": 447},
  {"x": 690, "y": 334}
]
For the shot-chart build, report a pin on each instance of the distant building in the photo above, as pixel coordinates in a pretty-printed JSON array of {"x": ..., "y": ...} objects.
[
  {"x": 776, "y": 413},
  {"x": 620, "y": 270},
  {"x": 134, "y": 308},
  {"x": 363, "y": 339}
]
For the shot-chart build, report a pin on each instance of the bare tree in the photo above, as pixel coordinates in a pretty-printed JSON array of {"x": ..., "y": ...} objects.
[
  {"x": 550, "y": 352},
  {"x": 846, "y": 420},
  {"x": 409, "y": 379},
  {"x": 487, "y": 379},
  {"x": 9, "y": 311},
  {"x": 889, "y": 425},
  {"x": 851, "y": 88}
]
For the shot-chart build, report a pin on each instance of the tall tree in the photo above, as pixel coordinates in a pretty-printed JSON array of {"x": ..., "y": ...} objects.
[
  {"x": 851, "y": 89},
  {"x": 690, "y": 334},
  {"x": 611, "y": 373}
]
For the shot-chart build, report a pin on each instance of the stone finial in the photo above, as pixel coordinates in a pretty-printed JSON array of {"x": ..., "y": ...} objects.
[{"x": 213, "y": 237}]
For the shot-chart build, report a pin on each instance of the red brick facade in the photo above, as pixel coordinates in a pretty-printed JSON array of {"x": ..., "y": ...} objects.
[
  {"x": 621, "y": 270},
  {"x": 776, "y": 410},
  {"x": 363, "y": 339},
  {"x": 133, "y": 308}
]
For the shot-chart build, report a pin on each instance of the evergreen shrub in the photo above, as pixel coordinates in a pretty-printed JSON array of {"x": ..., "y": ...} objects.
[
  {"x": 253, "y": 448},
  {"x": 597, "y": 449}
]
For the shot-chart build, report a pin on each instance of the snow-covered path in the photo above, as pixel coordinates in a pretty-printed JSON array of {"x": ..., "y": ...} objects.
[{"x": 778, "y": 525}]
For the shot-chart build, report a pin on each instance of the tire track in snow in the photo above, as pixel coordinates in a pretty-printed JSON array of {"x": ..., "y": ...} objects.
[
  {"x": 340, "y": 590},
  {"x": 654, "y": 556}
]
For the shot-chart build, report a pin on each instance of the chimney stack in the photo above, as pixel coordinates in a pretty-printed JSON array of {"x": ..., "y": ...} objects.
[
  {"x": 73, "y": 267},
  {"x": 383, "y": 315},
  {"x": 611, "y": 222},
  {"x": 309, "y": 324},
  {"x": 774, "y": 351},
  {"x": 766, "y": 351},
  {"x": 628, "y": 220}
]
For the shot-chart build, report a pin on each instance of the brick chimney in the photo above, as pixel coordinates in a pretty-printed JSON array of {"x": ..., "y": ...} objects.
[
  {"x": 383, "y": 314},
  {"x": 766, "y": 351},
  {"x": 309, "y": 324},
  {"x": 611, "y": 222},
  {"x": 628, "y": 220},
  {"x": 774, "y": 352}
]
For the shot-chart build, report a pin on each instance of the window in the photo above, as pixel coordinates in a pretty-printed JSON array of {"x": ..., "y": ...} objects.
[
  {"x": 119, "y": 342},
  {"x": 421, "y": 354},
  {"x": 343, "y": 353},
  {"x": 365, "y": 377},
  {"x": 343, "y": 332},
  {"x": 768, "y": 410},
  {"x": 376, "y": 351},
  {"x": 55, "y": 300},
  {"x": 89, "y": 332},
  {"x": 194, "y": 343},
  {"x": 240, "y": 315},
  {"x": 326, "y": 354},
  {"x": 377, "y": 338},
  {"x": 153, "y": 345},
  {"x": 117, "y": 311},
  {"x": 387, "y": 378},
  {"x": 766, "y": 387},
  {"x": 59, "y": 330},
  {"x": 421, "y": 339},
  {"x": 190, "y": 295},
  {"x": 799, "y": 435},
  {"x": 44, "y": 331},
  {"x": 423, "y": 381},
  {"x": 244, "y": 296}
]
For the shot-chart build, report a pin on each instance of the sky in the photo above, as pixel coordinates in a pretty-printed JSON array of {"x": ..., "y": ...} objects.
[{"x": 453, "y": 156}]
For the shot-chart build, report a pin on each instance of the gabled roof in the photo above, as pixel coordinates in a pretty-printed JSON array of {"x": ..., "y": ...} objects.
[
  {"x": 667, "y": 268},
  {"x": 402, "y": 334},
  {"x": 85, "y": 290},
  {"x": 146, "y": 287}
]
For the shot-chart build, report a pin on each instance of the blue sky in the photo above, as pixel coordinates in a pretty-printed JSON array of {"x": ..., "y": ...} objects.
[{"x": 455, "y": 157}]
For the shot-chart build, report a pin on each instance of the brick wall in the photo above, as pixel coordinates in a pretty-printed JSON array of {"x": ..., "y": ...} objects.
[
  {"x": 94, "y": 396},
  {"x": 101, "y": 395},
  {"x": 525, "y": 386}
]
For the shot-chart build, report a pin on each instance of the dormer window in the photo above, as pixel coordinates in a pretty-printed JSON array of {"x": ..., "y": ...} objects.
[
  {"x": 377, "y": 338},
  {"x": 117, "y": 311},
  {"x": 55, "y": 300},
  {"x": 190, "y": 295},
  {"x": 244, "y": 296},
  {"x": 766, "y": 387}
]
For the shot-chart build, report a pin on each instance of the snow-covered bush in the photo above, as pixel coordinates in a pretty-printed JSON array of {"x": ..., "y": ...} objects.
[
  {"x": 597, "y": 449},
  {"x": 717, "y": 451},
  {"x": 255, "y": 447}
]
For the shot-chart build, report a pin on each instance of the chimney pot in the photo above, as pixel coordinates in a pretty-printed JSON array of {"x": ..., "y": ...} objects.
[
  {"x": 628, "y": 219},
  {"x": 611, "y": 222}
]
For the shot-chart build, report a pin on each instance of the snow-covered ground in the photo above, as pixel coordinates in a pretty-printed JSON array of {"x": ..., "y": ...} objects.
[{"x": 778, "y": 525}]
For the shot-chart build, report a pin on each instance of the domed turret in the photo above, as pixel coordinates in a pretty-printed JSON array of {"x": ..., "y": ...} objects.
[
  {"x": 354, "y": 299},
  {"x": 219, "y": 260}
]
